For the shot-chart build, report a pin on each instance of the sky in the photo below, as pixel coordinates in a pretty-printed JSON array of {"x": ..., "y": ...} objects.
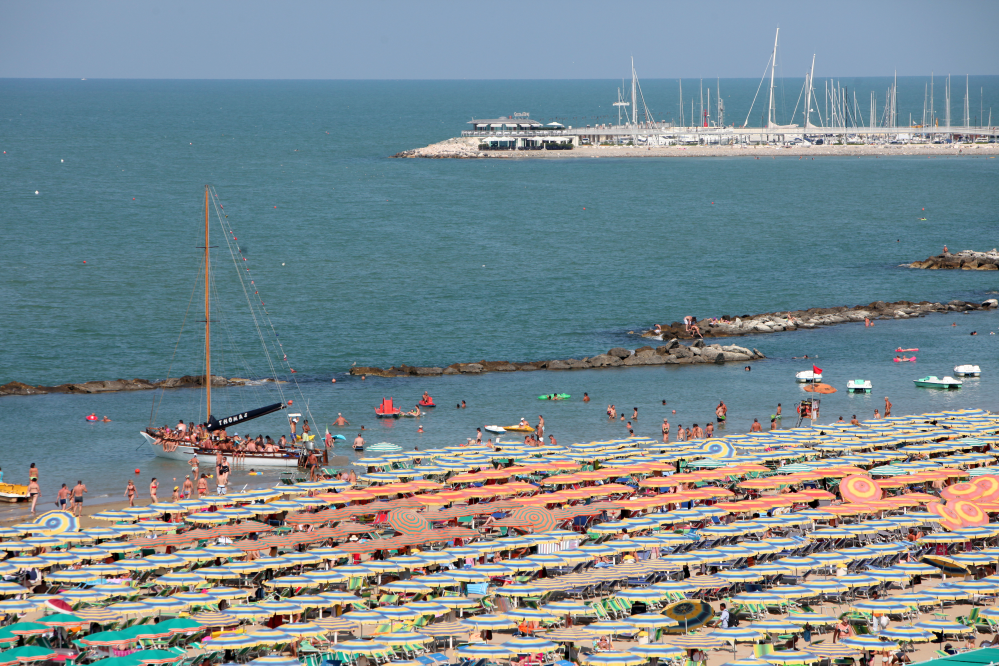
[{"x": 512, "y": 39}]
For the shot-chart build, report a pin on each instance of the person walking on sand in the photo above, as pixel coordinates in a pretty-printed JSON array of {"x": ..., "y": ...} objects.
[
  {"x": 202, "y": 486},
  {"x": 887, "y": 407},
  {"x": 130, "y": 492},
  {"x": 63, "y": 497},
  {"x": 78, "y": 491},
  {"x": 193, "y": 462},
  {"x": 188, "y": 487},
  {"x": 33, "y": 492},
  {"x": 153, "y": 485}
]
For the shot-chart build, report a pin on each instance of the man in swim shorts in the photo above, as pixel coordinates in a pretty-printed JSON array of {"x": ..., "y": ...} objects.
[
  {"x": 63, "y": 496},
  {"x": 720, "y": 411},
  {"x": 78, "y": 491}
]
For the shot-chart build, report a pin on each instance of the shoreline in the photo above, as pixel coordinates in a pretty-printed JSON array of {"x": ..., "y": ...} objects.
[{"x": 467, "y": 148}]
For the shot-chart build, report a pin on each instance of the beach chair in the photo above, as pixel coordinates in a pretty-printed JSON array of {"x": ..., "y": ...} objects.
[{"x": 760, "y": 650}]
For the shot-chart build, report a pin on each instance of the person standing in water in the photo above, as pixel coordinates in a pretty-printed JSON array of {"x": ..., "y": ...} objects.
[
  {"x": 721, "y": 412},
  {"x": 887, "y": 407},
  {"x": 665, "y": 431},
  {"x": 358, "y": 443},
  {"x": 153, "y": 485}
]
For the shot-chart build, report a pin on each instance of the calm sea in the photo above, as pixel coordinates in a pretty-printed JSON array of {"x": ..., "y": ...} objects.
[{"x": 368, "y": 260}]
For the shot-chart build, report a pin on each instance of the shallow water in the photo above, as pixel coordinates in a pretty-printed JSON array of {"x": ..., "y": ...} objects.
[{"x": 367, "y": 260}]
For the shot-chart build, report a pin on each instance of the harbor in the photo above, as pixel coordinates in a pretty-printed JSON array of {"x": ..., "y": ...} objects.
[{"x": 826, "y": 116}]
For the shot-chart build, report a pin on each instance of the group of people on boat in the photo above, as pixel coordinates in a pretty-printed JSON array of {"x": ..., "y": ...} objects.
[{"x": 203, "y": 439}]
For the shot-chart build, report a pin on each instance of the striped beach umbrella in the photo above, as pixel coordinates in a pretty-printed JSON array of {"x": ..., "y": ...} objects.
[
  {"x": 99, "y": 615},
  {"x": 490, "y": 622},
  {"x": 696, "y": 641},
  {"x": 215, "y": 619},
  {"x": 230, "y": 641},
  {"x": 403, "y": 638},
  {"x": 834, "y": 650},
  {"x": 907, "y": 634},
  {"x": 739, "y": 634},
  {"x": 441, "y": 629},
  {"x": 612, "y": 659},
  {"x": 869, "y": 642},
  {"x": 943, "y": 626},
  {"x": 484, "y": 651},
  {"x": 791, "y": 657},
  {"x": 529, "y": 645}
]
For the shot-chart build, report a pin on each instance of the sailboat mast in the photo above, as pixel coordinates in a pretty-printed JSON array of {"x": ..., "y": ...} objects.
[
  {"x": 208, "y": 322},
  {"x": 771, "y": 120}
]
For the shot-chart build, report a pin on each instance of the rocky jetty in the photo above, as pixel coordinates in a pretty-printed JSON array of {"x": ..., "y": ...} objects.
[
  {"x": 966, "y": 260},
  {"x": 187, "y": 381},
  {"x": 458, "y": 148},
  {"x": 672, "y": 353},
  {"x": 772, "y": 322}
]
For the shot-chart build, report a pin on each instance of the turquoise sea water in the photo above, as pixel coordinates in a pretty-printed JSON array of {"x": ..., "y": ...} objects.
[{"x": 367, "y": 260}]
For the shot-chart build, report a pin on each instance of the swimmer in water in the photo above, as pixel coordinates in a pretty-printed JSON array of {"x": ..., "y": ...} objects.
[{"x": 107, "y": 420}]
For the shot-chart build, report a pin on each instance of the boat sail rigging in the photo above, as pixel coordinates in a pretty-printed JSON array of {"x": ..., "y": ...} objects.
[{"x": 210, "y": 436}]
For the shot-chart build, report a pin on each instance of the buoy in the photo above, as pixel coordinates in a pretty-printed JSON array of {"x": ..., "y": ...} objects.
[
  {"x": 136, "y": 470},
  {"x": 291, "y": 402},
  {"x": 334, "y": 380},
  {"x": 36, "y": 191},
  {"x": 62, "y": 161},
  {"x": 275, "y": 206},
  {"x": 84, "y": 261}
]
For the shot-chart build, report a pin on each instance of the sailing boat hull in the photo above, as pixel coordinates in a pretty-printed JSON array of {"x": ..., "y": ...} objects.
[{"x": 184, "y": 452}]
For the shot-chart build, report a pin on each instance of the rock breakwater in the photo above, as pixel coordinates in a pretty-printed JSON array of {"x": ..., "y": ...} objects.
[
  {"x": 115, "y": 385},
  {"x": 772, "y": 322},
  {"x": 457, "y": 148},
  {"x": 672, "y": 353},
  {"x": 966, "y": 260}
]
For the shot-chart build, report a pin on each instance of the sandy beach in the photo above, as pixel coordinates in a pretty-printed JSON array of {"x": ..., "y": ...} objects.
[{"x": 467, "y": 148}]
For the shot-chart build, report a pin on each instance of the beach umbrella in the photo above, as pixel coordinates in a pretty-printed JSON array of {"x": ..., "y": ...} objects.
[
  {"x": 739, "y": 634},
  {"x": 791, "y": 657},
  {"x": 398, "y": 612},
  {"x": 869, "y": 642},
  {"x": 652, "y": 621},
  {"x": 910, "y": 634},
  {"x": 365, "y": 617},
  {"x": 28, "y": 629},
  {"x": 362, "y": 647},
  {"x": 609, "y": 627},
  {"x": 698, "y": 641},
  {"x": 570, "y": 635},
  {"x": 215, "y": 619},
  {"x": 302, "y": 629},
  {"x": 26, "y": 654},
  {"x": 776, "y": 626},
  {"x": 689, "y": 613},
  {"x": 403, "y": 638},
  {"x": 943, "y": 626},
  {"x": 18, "y": 607},
  {"x": 882, "y": 606},
  {"x": 155, "y": 657},
  {"x": 230, "y": 641},
  {"x": 99, "y": 615},
  {"x": 811, "y": 618},
  {"x": 440, "y": 629},
  {"x": 612, "y": 659},
  {"x": 490, "y": 622},
  {"x": 335, "y": 624},
  {"x": 529, "y": 645},
  {"x": 834, "y": 650},
  {"x": 61, "y": 620},
  {"x": 182, "y": 579},
  {"x": 427, "y": 607},
  {"x": 484, "y": 651},
  {"x": 275, "y": 660},
  {"x": 407, "y": 586}
]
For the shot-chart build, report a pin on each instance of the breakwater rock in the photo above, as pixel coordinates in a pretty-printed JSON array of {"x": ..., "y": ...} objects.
[
  {"x": 672, "y": 353},
  {"x": 772, "y": 322},
  {"x": 457, "y": 148},
  {"x": 966, "y": 260},
  {"x": 187, "y": 381}
]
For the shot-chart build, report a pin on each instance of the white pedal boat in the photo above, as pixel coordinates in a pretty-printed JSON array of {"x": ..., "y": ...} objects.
[
  {"x": 859, "y": 386},
  {"x": 967, "y": 371},
  {"x": 808, "y": 377},
  {"x": 938, "y": 382}
]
